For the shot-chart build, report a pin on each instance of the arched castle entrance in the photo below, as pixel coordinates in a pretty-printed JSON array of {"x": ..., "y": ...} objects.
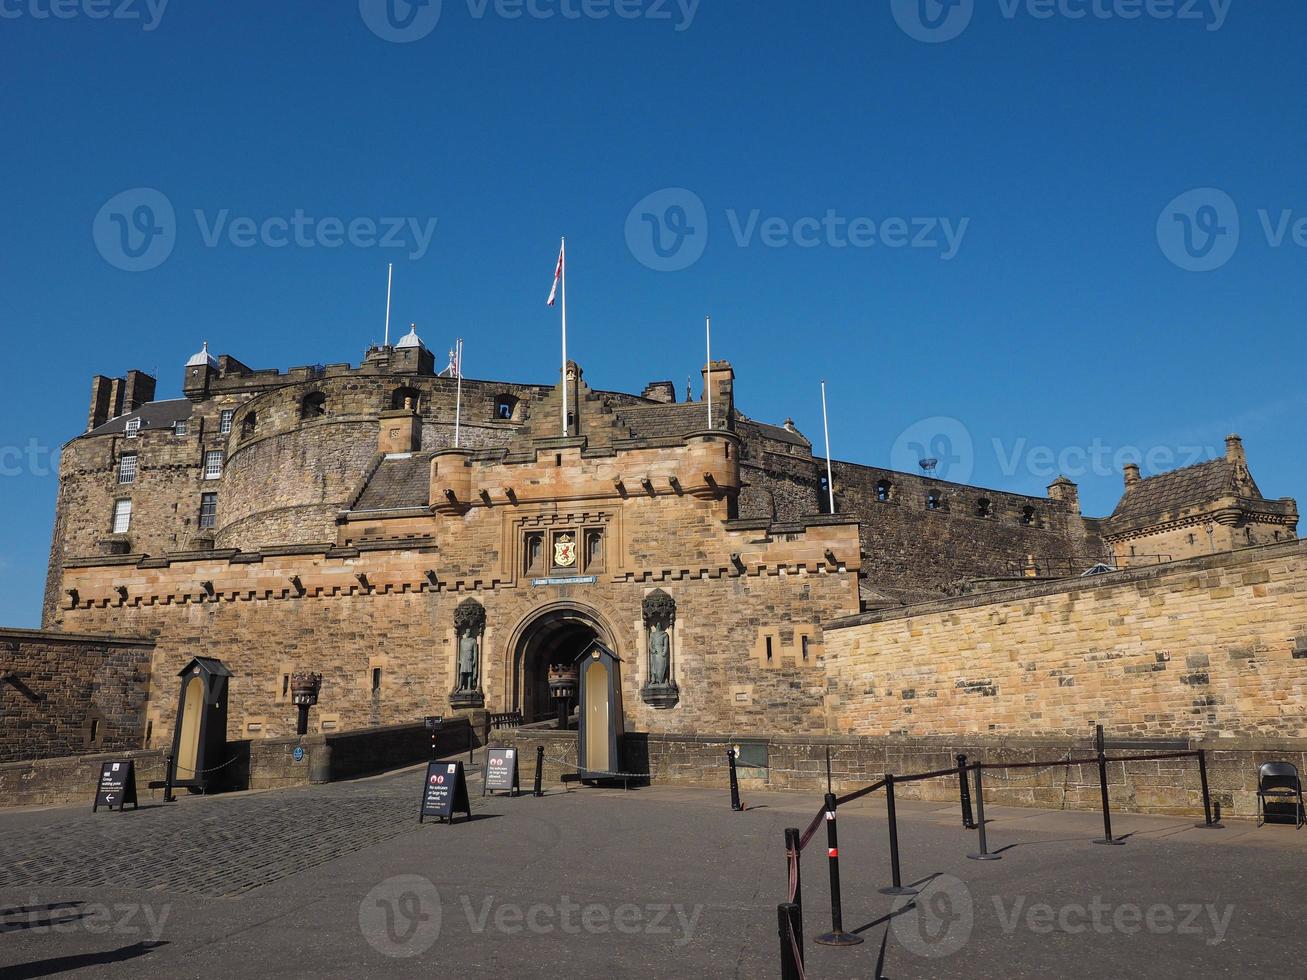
[{"x": 556, "y": 633}]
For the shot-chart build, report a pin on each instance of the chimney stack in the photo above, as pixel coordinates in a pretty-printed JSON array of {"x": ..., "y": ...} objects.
[
  {"x": 1234, "y": 450},
  {"x": 1065, "y": 491},
  {"x": 1131, "y": 471}
]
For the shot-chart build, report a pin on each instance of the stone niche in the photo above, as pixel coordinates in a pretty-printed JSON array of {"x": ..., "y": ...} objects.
[{"x": 660, "y": 690}]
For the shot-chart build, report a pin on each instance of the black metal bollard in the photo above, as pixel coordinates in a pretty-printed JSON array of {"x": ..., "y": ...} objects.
[
  {"x": 792, "y": 848},
  {"x": 434, "y": 736},
  {"x": 471, "y": 744},
  {"x": 540, "y": 770},
  {"x": 735, "y": 783},
  {"x": 983, "y": 854},
  {"x": 837, "y": 936},
  {"x": 168, "y": 796},
  {"x": 965, "y": 790},
  {"x": 790, "y": 962},
  {"x": 895, "y": 876},
  {"x": 1209, "y": 823},
  {"x": 1102, "y": 785}
]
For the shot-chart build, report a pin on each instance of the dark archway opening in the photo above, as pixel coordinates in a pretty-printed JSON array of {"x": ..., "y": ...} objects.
[{"x": 558, "y": 637}]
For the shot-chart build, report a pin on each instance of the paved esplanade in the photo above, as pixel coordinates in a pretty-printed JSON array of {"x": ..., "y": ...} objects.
[{"x": 341, "y": 881}]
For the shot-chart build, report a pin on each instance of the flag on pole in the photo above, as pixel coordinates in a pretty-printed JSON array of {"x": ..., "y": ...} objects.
[{"x": 558, "y": 277}]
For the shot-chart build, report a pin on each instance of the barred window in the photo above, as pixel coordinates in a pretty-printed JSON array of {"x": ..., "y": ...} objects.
[
  {"x": 133, "y": 428},
  {"x": 122, "y": 516},
  {"x": 224, "y": 420},
  {"x": 127, "y": 468},
  {"x": 213, "y": 464},
  {"x": 208, "y": 510}
]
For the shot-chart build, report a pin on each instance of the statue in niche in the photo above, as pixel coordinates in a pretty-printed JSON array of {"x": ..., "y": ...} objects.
[
  {"x": 469, "y": 626},
  {"x": 659, "y": 616}
]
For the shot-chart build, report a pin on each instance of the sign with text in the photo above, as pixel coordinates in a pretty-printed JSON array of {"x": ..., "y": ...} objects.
[
  {"x": 501, "y": 771},
  {"x": 445, "y": 792},
  {"x": 117, "y": 786}
]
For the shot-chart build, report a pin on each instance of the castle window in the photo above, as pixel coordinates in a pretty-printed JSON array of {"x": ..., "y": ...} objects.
[
  {"x": 208, "y": 510},
  {"x": 181, "y": 428},
  {"x": 213, "y": 464},
  {"x": 932, "y": 501},
  {"x": 1248, "y": 534},
  {"x": 313, "y": 406},
  {"x": 127, "y": 468},
  {"x": 769, "y": 649},
  {"x": 224, "y": 420},
  {"x": 401, "y": 397},
  {"x": 805, "y": 648},
  {"x": 534, "y": 552},
  {"x": 505, "y": 407},
  {"x": 984, "y": 508},
  {"x": 95, "y": 729},
  {"x": 594, "y": 549},
  {"x": 1027, "y": 515},
  {"x": 1191, "y": 539},
  {"x": 133, "y": 428},
  {"x": 122, "y": 516},
  {"x": 376, "y": 680},
  {"x": 883, "y": 490},
  {"x": 248, "y": 425}
]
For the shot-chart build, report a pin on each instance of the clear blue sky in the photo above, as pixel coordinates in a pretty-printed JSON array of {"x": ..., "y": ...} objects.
[{"x": 1069, "y": 318}]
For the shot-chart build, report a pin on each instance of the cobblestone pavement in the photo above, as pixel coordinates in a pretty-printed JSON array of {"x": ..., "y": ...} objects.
[{"x": 216, "y": 847}]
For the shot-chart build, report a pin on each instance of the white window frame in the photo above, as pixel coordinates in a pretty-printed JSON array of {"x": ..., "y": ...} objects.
[
  {"x": 182, "y": 427},
  {"x": 133, "y": 428},
  {"x": 121, "y": 521},
  {"x": 214, "y": 523},
  {"x": 127, "y": 473},
  {"x": 225, "y": 419},
  {"x": 212, "y": 457}
]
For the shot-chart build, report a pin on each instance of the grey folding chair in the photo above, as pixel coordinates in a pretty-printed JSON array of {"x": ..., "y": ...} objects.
[{"x": 1279, "y": 781}]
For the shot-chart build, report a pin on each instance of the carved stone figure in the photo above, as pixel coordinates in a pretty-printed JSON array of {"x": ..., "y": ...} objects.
[
  {"x": 469, "y": 625},
  {"x": 659, "y": 615},
  {"x": 660, "y": 655}
]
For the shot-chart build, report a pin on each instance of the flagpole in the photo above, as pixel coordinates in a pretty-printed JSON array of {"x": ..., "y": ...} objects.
[
  {"x": 562, "y": 256},
  {"x": 390, "y": 272},
  {"x": 458, "y": 397},
  {"x": 707, "y": 383},
  {"x": 825, "y": 426}
]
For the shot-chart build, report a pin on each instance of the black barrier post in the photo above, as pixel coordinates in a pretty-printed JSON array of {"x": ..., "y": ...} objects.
[
  {"x": 837, "y": 936},
  {"x": 167, "y": 781},
  {"x": 895, "y": 876},
  {"x": 829, "y": 788},
  {"x": 983, "y": 854},
  {"x": 540, "y": 768},
  {"x": 790, "y": 967},
  {"x": 792, "y": 848},
  {"x": 967, "y": 822},
  {"x": 471, "y": 743},
  {"x": 735, "y": 783},
  {"x": 1208, "y": 823},
  {"x": 1102, "y": 785}
]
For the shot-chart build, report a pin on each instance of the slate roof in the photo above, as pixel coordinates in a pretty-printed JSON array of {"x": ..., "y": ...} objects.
[
  {"x": 153, "y": 415},
  {"x": 777, "y": 433},
  {"x": 662, "y": 420},
  {"x": 398, "y": 482},
  {"x": 1178, "y": 489}
]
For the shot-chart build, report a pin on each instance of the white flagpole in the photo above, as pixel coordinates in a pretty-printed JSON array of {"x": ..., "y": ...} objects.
[
  {"x": 390, "y": 271},
  {"x": 830, "y": 481},
  {"x": 458, "y": 397},
  {"x": 562, "y": 257},
  {"x": 707, "y": 383}
]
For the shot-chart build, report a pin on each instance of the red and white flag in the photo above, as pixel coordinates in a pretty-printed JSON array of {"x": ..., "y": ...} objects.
[{"x": 558, "y": 277}]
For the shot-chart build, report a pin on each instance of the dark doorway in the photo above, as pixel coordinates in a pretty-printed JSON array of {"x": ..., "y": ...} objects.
[{"x": 557, "y": 637}]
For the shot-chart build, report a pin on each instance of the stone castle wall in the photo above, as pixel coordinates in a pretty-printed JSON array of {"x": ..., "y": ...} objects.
[
  {"x": 93, "y": 689},
  {"x": 1211, "y": 647}
]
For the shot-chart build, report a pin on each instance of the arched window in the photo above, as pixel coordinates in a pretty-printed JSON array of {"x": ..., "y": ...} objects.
[
  {"x": 884, "y": 490},
  {"x": 984, "y": 508},
  {"x": 1027, "y": 515},
  {"x": 313, "y": 406},
  {"x": 404, "y": 396},
  {"x": 932, "y": 500}
]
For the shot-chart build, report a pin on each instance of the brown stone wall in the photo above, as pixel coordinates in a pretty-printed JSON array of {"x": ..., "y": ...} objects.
[
  {"x": 1212, "y": 647},
  {"x": 80, "y": 679}
]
